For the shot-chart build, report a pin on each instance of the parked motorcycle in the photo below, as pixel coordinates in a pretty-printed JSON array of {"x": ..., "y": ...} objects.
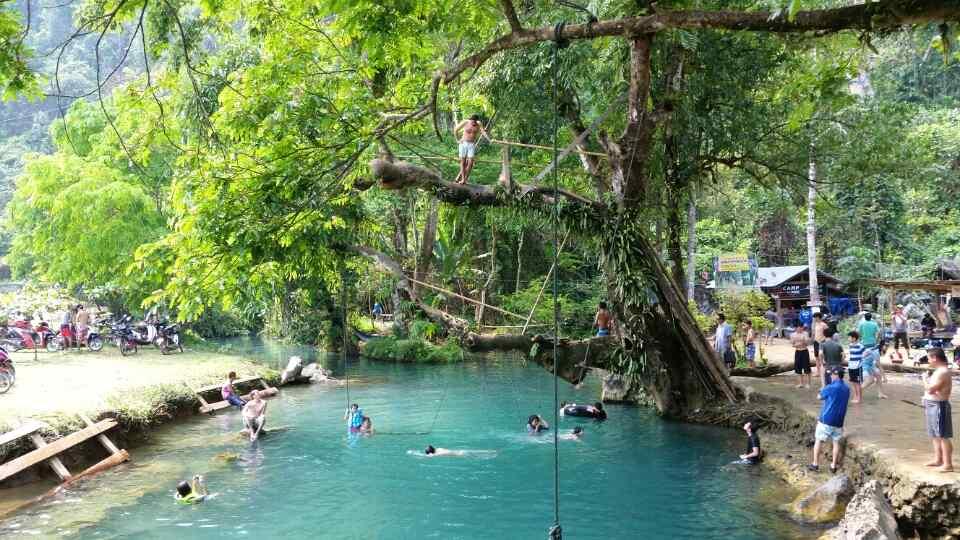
[
  {"x": 21, "y": 336},
  {"x": 168, "y": 337},
  {"x": 8, "y": 375},
  {"x": 122, "y": 335},
  {"x": 145, "y": 333}
]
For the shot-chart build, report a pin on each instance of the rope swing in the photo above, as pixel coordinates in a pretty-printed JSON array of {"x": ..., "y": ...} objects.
[{"x": 556, "y": 531}]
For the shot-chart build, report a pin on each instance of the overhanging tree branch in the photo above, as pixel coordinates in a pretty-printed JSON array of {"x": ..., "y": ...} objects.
[{"x": 872, "y": 16}]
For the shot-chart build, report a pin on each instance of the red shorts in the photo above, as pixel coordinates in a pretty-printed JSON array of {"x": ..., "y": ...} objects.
[{"x": 65, "y": 331}]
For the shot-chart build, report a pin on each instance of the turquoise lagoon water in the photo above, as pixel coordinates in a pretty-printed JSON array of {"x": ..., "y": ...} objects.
[{"x": 633, "y": 477}]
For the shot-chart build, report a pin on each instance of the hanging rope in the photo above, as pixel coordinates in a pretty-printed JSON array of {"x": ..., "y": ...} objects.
[
  {"x": 556, "y": 531},
  {"x": 343, "y": 331}
]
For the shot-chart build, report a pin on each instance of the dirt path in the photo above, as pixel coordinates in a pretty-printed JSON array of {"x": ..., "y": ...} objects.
[{"x": 66, "y": 382}]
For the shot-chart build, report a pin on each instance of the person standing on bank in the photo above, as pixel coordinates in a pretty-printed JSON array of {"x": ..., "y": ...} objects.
[
  {"x": 819, "y": 335},
  {"x": 831, "y": 356},
  {"x": 602, "y": 321},
  {"x": 722, "y": 341},
  {"x": 900, "y": 332},
  {"x": 937, "y": 411},
  {"x": 472, "y": 131},
  {"x": 750, "y": 343},
  {"x": 830, "y": 423},
  {"x": 800, "y": 340},
  {"x": 855, "y": 366}
]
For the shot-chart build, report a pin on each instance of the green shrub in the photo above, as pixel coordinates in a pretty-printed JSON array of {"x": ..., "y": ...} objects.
[
  {"x": 412, "y": 351},
  {"x": 424, "y": 330}
]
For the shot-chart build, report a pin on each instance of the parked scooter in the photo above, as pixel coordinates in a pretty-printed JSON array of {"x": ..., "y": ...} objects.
[
  {"x": 122, "y": 335},
  {"x": 145, "y": 333},
  {"x": 8, "y": 375},
  {"x": 168, "y": 337},
  {"x": 20, "y": 336}
]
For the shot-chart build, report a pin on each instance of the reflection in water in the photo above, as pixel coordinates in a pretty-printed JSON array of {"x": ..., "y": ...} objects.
[{"x": 634, "y": 476}]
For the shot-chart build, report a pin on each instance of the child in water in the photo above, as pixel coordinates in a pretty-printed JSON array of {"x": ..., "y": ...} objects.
[
  {"x": 366, "y": 426},
  {"x": 535, "y": 424},
  {"x": 193, "y": 492}
]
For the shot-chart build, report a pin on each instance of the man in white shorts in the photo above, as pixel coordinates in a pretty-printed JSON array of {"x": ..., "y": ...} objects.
[
  {"x": 472, "y": 131},
  {"x": 830, "y": 423}
]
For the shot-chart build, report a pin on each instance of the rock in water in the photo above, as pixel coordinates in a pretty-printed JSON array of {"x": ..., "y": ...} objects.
[
  {"x": 292, "y": 371},
  {"x": 617, "y": 389},
  {"x": 868, "y": 516},
  {"x": 825, "y": 503},
  {"x": 310, "y": 369}
]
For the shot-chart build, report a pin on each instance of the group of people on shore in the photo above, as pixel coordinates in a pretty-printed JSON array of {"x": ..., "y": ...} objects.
[{"x": 863, "y": 369}]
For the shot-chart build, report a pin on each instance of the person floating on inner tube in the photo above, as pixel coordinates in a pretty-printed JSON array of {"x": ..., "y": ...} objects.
[
  {"x": 535, "y": 424},
  {"x": 589, "y": 411}
]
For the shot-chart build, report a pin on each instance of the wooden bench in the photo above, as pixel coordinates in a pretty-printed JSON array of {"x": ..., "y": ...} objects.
[
  {"x": 207, "y": 407},
  {"x": 49, "y": 451}
]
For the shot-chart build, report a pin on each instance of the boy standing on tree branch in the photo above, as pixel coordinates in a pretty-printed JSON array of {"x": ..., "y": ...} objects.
[{"x": 472, "y": 131}]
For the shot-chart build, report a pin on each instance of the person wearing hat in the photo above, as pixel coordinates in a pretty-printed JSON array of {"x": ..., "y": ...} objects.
[
  {"x": 830, "y": 423},
  {"x": 900, "y": 332}
]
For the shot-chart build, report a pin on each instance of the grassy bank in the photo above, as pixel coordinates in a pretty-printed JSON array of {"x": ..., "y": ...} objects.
[{"x": 140, "y": 392}]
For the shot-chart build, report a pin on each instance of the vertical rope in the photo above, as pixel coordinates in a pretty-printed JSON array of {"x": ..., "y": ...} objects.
[
  {"x": 343, "y": 331},
  {"x": 556, "y": 531}
]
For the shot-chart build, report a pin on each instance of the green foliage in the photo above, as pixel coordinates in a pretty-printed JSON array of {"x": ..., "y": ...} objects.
[
  {"x": 413, "y": 350},
  {"x": 424, "y": 331}
]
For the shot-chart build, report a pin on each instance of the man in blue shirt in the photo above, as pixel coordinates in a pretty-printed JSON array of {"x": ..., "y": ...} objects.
[{"x": 830, "y": 424}]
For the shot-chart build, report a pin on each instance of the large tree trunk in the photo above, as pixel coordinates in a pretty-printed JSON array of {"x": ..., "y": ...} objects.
[
  {"x": 691, "y": 248},
  {"x": 812, "y": 231},
  {"x": 429, "y": 238}
]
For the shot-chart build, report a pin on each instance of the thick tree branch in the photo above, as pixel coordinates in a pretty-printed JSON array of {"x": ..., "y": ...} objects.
[
  {"x": 871, "y": 16},
  {"x": 404, "y": 175},
  {"x": 511, "y": 14}
]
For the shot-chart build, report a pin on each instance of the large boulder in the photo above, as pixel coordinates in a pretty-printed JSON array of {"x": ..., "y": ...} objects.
[
  {"x": 292, "y": 372},
  {"x": 617, "y": 388},
  {"x": 868, "y": 517},
  {"x": 826, "y": 503}
]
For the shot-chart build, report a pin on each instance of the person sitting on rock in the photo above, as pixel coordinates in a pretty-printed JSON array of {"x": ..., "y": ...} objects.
[{"x": 193, "y": 492}]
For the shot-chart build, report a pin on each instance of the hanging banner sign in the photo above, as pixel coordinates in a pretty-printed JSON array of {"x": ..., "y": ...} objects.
[
  {"x": 737, "y": 262},
  {"x": 735, "y": 271}
]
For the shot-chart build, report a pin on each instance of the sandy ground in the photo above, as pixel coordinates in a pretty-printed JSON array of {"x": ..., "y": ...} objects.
[
  {"x": 81, "y": 381},
  {"x": 894, "y": 426}
]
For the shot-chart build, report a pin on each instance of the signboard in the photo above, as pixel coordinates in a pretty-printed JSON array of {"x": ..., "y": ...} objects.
[
  {"x": 738, "y": 262},
  {"x": 735, "y": 271}
]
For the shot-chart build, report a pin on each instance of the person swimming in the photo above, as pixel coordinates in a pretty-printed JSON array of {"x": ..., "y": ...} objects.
[
  {"x": 354, "y": 417},
  {"x": 589, "y": 411},
  {"x": 573, "y": 435},
  {"x": 432, "y": 451},
  {"x": 193, "y": 492},
  {"x": 535, "y": 424},
  {"x": 366, "y": 426}
]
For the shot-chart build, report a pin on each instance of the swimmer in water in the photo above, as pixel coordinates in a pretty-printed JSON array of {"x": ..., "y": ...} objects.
[
  {"x": 436, "y": 452},
  {"x": 193, "y": 492},
  {"x": 354, "y": 417},
  {"x": 431, "y": 451},
  {"x": 535, "y": 424},
  {"x": 366, "y": 426},
  {"x": 592, "y": 411},
  {"x": 573, "y": 435}
]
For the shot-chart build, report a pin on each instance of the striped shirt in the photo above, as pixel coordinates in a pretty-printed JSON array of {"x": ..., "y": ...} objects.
[{"x": 856, "y": 355}]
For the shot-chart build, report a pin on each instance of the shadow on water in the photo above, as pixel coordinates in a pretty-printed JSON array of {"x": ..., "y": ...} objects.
[{"x": 634, "y": 476}]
